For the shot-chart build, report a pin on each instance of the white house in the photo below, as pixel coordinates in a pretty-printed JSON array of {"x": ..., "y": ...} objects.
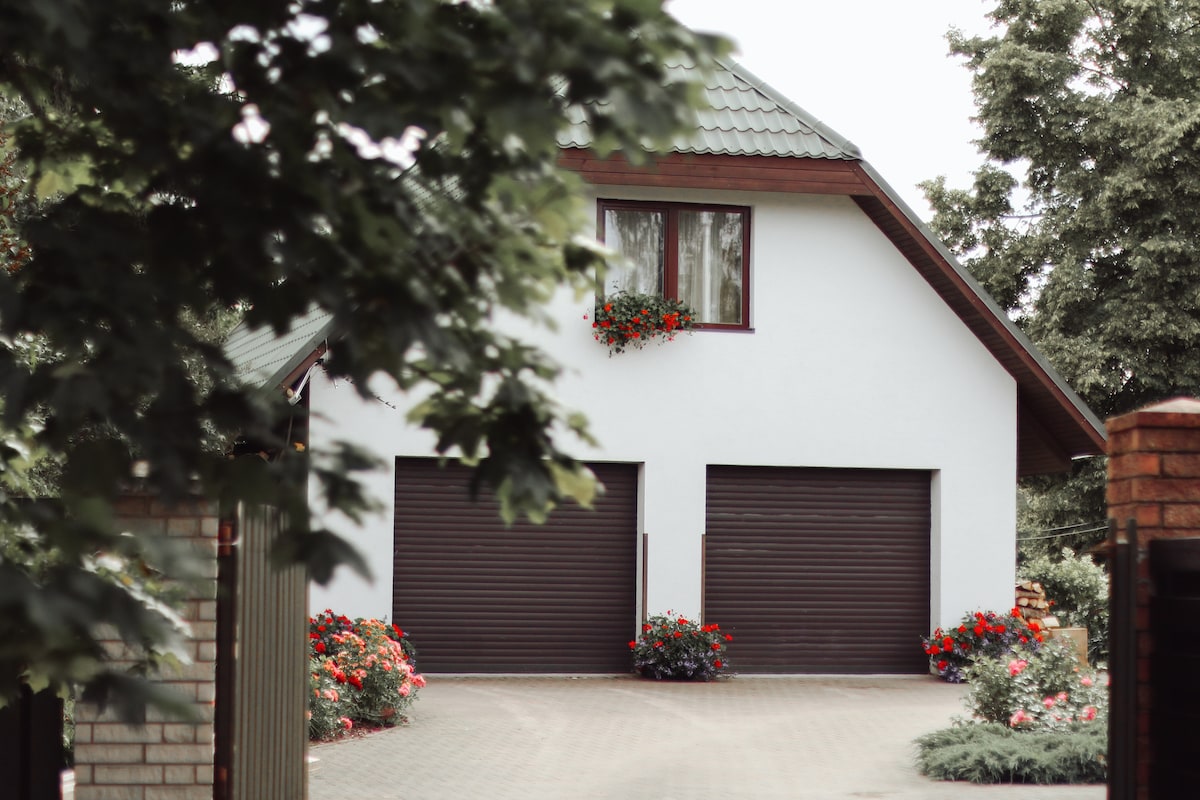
[{"x": 826, "y": 469}]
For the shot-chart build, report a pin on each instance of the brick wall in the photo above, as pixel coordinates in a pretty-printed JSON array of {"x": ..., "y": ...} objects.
[
  {"x": 164, "y": 759},
  {"x": 1153, "y": 478}
]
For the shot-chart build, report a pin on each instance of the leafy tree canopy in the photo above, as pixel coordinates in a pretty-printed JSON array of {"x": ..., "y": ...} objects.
[
  {"x": 1085, "y": 220},
  {"x": 393, "y": 163}
]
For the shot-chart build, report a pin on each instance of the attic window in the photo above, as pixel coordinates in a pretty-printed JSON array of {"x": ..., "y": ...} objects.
[{"x": 696, "y": 253}]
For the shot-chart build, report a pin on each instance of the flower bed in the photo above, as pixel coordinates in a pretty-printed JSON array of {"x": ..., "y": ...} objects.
[
  {"x": 361, "y": 672},
  {"x": 983, "y": 633},
  {"x": 674, "y": 647},
  {"x": 1036, "y": 717}
]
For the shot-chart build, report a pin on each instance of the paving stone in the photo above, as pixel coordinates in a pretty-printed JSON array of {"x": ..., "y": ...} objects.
[{"x": 604, "y": 738}]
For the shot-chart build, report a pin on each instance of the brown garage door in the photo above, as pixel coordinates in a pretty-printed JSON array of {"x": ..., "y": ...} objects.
[
  {"x": 476, "y": 596},
  {"x": 819, "y": 570}
]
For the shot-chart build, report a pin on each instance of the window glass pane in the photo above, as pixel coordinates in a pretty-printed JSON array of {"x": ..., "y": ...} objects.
[
  {"x": 640, "y": 236},
  {"x": 710, "y": 264}
]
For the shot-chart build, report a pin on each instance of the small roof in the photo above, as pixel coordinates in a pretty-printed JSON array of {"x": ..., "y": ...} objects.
[{"x": 263, "y": 358}]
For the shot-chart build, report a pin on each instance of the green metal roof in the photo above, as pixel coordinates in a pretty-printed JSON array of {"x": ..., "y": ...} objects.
[
  {"x": 744, "y": 116},
  {"x": 262, "y": 358}
]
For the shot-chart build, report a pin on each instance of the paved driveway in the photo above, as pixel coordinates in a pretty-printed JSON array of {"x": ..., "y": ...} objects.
[{"x": 597, "y": 738}]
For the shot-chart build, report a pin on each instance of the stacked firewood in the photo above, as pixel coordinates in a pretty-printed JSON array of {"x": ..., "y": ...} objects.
[{"x": 1031, "y": 599}]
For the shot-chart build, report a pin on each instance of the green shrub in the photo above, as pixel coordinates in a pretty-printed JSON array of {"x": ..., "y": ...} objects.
[
  {"x": 994, "y": 753},
  {"x": 360, "y": 671},
  {"x": 1036, "y": 689},
  {"x": 678, "y": 648},
  {"x": 1079, "y": 588}
]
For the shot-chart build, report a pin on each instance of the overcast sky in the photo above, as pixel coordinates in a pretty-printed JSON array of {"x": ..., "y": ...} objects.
[{"x": 876, "y": 71}]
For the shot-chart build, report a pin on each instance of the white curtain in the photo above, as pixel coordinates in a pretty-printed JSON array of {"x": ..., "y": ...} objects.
[
  {"x": 710, "y": 264},
  {"x": 639, "y": 236}
]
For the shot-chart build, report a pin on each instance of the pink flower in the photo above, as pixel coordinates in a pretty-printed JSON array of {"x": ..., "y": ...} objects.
[
  {"x": 1061, "y": 697},
  {"x": 1088, "y": 714},
  {"x": 1085, "y": 680},
  {"x": 346, "y": 723},
  {"x": 1048, "y": 702},
  {"x": 418, "y": 681},
  {"x": 404, "y": 689},
  {"x": 1016, "y": 666},
  {"x": 1019, "y": 717}
]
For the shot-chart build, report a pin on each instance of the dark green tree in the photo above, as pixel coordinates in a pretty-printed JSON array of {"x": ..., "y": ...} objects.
[
  {"x": 1085, "y": 220},
  {"x": 394, "y": 163}
]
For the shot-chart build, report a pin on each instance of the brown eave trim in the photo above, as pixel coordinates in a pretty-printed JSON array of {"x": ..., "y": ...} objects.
[
  {"x": 721, "y": 172},
  {"x": 303, "y": 367}
]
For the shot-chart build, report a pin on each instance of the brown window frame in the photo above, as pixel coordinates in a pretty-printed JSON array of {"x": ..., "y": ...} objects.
[{"x": 670, "y": 211}]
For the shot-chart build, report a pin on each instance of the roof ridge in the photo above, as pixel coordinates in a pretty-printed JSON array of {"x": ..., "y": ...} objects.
[{"x": 848, "y": 148}]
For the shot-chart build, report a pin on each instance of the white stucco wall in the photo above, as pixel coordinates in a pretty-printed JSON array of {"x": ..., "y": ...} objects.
[{"x": 854, "y": 361}]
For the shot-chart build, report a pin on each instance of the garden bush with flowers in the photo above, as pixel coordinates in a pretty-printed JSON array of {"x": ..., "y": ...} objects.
[
  {"x": 626, "y": 319},
  {"x": 983, "y": 633},
  {"x": 362, "y": 672},
  {"x": 674, "y": 647},
  {"x": 1036, "y": 717}
]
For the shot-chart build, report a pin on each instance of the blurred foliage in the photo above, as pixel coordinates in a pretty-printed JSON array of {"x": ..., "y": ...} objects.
[
  {"x": 391, "y": 163},
  {"x": 1084, "y": 221}
]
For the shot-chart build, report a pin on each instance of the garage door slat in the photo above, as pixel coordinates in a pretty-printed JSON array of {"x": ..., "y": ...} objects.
[
  {"x": 819, "y": 570},
  {"x": 477, "y": 596}
]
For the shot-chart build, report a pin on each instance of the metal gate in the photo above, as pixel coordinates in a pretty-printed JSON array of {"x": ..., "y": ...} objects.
[{"x": 262, "y": 687}]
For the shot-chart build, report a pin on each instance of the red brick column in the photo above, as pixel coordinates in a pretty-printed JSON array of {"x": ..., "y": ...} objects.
[
  {"x": 1154, "y": 478},
  {"x": 166, "y": 758}
]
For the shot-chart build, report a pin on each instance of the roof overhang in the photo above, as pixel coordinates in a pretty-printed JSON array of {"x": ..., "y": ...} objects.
[{"x": 1054, "y": 425}]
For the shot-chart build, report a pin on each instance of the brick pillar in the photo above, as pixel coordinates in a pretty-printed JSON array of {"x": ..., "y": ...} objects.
[
  {"x": 1154, "y": 478},
  {"x": 165, "y": 759}
]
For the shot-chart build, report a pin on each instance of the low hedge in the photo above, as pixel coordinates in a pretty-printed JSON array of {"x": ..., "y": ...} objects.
[{"x": 994, "y": 753}]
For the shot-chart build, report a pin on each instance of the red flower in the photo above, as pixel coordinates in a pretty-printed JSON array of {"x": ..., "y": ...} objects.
[
  {"x": 979, "y": 630},
  {"x": 962, "y": 628},
  {"x": 314, "y": 635},
  {"x": 716, "y": 646},
  {"x": 718, "y": 664},
  {"x": 356, "y": 681},
  {"x": 320, "y": 648},
  {"x": 658, "y": 644},
  {"x": 943, "y": 664},
  {"x": 396, "y": 628},
  {"x": 682, "y": 621},
  {"x": 729, "y": 637},
  {"x": 321, "y": 628},
  {"x": 934, "y": 649},
  {"x": 647, "y": 627},
  {"x": 999, "y": 629},
  {"x": 948, "y": 643},
  {"x": 678, "y": 634},
  {"x": 608, "y": 306},
  {"x": 632, "y": 645}
]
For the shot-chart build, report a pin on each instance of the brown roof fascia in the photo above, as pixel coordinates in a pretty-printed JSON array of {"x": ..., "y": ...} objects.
[
  {"x": 720, "y": 172},
  {"x": 304, "y": 366}
]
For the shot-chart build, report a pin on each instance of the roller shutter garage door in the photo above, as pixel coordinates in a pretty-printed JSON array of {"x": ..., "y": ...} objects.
[
  {"x": 476, "y": 596},
  {"x": 819, "y": 570}
]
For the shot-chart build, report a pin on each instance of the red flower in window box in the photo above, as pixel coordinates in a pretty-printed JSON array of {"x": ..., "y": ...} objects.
[{"x": 636, "y": 319}]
